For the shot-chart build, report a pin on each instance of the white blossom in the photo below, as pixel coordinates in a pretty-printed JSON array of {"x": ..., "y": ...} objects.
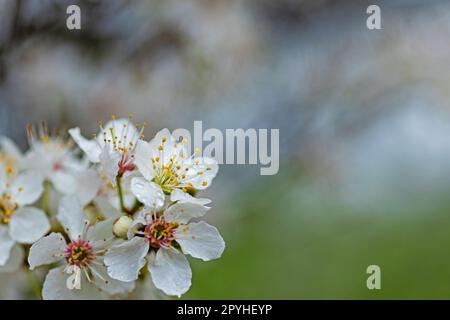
[
  {"x": 19, "y": 222},
  {"x": 113, "y": 147},
  {"x": 162, "y": 240},
  {"x": 82, "y": 274},
  {"x": 124, "y": 205},
  {"x": 166, "y": 166}
]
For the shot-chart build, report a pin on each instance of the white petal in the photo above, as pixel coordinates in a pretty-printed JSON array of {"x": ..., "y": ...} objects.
[
  {"x": 142, "y": 155},
  {"x": 72, "y": 163},
  {"x": 146, "y": 290},
  {"x": 3, "y": 179},
  {"x": 73, "y": 281},
  {"x": 139, "y": 220},
  {"x": 15, "y": 259},
  {"x": 170, "y": 272},
  {"x": 126, "y": 259},
  {"x": 64, "y": 182},
  {"x": 112, "y": 286},
  {"x": 149, "y": 193},
  {"x": 106, "y": 208},
  {"x": 88, "y": 183},
  {"x": 71, "y": 216},
  {"x": 47, "y": 250},
  {"x": 6, "y": 244},
  {"x": 28, "y": 224},
  {"x": 178, "y": 195},
  {"x": 119, "y": 130},
  {"x": 182, "y": 212},
  {"x": 27, "y": 188},
  {"x": 90, "y": 147},
  {"x": 168, "y": 146},
  {"x": 38, "y": 158},
  {"x": 10, "y": 148},
  {"x": 202, "y": 171},
  {"x": 200, "y": 240},
  {"x": 100, "y": 232},
  {"x": 55, "y": 288},
  {"x": 110, "y": 164}
]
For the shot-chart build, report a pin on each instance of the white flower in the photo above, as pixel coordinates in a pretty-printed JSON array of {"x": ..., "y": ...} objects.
[
  {"x": 19, "y": 222},
  {"x": 166, "y": 166},
  {"x": 54, "y": 158},
  {"x": 164, "y": 240},
  {"x": 113, "y": 148},
  {"x": 83, "y": 274}
]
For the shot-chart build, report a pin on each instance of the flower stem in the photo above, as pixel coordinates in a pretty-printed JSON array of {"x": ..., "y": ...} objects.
[
  {"x": 120, "y": 193},
  {"x": 136, "y": 207}
]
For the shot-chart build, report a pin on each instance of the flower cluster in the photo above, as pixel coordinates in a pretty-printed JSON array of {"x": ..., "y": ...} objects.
[{"x": 107, "y": 217}]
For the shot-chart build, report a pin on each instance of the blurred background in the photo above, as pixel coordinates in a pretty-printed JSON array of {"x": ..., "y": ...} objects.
[{"x": 364, "y": 119}]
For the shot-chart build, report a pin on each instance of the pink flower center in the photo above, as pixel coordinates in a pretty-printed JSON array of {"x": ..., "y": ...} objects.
[
  {"x": 79, "y": 253},
  {"x": 126, "y": 163},
  {"x": 57, "y": 166},
  {"x": 160, "y": 233}
]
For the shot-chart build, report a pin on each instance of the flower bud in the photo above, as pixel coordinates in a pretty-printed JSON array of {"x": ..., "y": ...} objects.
[{"x": 121, "y": 226}]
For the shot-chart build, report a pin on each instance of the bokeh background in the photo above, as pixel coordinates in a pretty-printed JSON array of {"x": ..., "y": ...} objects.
[{"x": 364, "y": 119}]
